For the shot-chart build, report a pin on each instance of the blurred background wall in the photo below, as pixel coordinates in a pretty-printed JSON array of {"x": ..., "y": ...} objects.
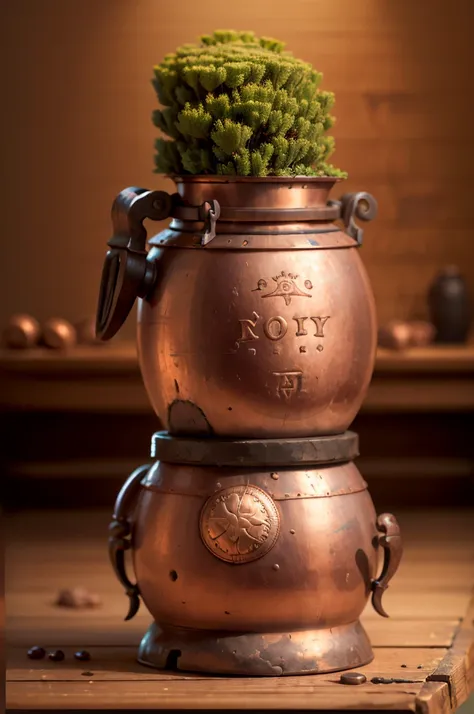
[{"x": 76, "y": 129}]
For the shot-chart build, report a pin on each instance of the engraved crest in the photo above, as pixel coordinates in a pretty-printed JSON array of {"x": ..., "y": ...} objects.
[
  {"x": 289, "y": 383},
  {"x": 286, "y": 287},
  {"x": 240, "y": 524}
]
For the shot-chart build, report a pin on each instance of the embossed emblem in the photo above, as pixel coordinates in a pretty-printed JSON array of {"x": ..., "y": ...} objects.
[
  {"x": 240, "y": 524},
  {"x": 286, "y": 287},
  {"x": 289, "y": 383}
]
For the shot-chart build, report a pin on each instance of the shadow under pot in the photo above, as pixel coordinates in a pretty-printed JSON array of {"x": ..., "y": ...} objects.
[
  {"x": 256, "y": 317},
  {"x": 254, "y": 571}
]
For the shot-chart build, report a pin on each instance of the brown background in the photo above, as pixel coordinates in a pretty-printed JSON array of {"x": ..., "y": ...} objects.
[{"x": 77, "y": 129}]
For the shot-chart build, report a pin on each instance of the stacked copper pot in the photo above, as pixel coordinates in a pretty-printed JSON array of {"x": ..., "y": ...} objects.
[{"x": 255, "y": 541}]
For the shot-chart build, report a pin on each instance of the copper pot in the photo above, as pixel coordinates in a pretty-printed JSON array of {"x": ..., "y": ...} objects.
[
  {"x": 231, "y": 561},
  {"x": 256, "y": 317}
]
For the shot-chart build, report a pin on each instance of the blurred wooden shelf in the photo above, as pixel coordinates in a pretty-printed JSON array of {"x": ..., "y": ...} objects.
[
  {"x": 428, "y": 640},
  {"x": 107, "y": 378}
]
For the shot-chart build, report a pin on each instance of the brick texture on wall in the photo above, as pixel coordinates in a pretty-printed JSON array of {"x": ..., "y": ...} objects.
[{"x": 76, "y": 129}]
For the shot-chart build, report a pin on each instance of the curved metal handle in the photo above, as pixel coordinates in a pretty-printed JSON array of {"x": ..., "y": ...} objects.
[
  {"x": 120, "y": 536},
  {"x": 362, "y": 205},
  {"x": 127, "y": 274},
  {"x": 390, "y": 540}
]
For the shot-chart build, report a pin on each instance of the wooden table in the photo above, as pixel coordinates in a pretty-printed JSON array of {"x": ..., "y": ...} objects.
[{"x": 428, "y": 641}]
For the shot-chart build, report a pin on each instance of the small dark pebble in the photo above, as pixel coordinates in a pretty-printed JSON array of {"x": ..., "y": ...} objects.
[
  {"x": 403, "y": 665},
  {"x": 56, "y": 656},
  {"x": 353, "y": 678},
  {"x": 420, "y": 666},
  {"x": 82, "y": 655},
  {"x": 87, "y": 674},
  {"x": 36, "y": 652}
]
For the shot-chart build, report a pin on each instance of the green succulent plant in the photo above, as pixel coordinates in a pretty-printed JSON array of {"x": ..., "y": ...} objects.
[{"x": 240, "y": 105}]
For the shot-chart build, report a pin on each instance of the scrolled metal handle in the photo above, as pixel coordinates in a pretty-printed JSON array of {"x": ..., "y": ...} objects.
[
  {"x": 360, "y": 205},
  {"x": 127, "y": 274},
  {"x": 120, "y": 536},
  {"x": 390, "y": 540}
]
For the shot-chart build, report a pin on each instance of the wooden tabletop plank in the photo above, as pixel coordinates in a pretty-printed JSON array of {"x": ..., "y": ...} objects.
[
  {"x": 428, "y": 631},
  {"x": 280, "y": 693},
  {"x": 84, "y": 629},
  {"x": 119, "y": 663}
]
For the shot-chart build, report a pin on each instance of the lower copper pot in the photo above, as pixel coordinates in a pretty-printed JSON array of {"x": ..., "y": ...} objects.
[{"x": 254, "y": 571}]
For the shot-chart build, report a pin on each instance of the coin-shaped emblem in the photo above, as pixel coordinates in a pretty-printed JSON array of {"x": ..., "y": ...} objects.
[{"x": 240, "y": 524}]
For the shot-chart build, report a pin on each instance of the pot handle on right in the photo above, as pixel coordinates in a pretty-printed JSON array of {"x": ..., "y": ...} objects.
[
  {"x": 390, "y": 540},
  {"x": 361, "y": 205}
]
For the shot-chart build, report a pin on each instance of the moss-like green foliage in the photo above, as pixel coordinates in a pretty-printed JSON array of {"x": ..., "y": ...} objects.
[{"x": 237, "y": 104}]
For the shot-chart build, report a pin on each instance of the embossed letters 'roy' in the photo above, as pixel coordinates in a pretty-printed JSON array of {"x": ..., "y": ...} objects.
[{"x": 275, "y": 328}]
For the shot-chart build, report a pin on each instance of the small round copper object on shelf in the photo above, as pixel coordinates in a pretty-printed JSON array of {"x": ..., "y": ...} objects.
[
  {"x": 422, "y": 333},
  {"x": 56, "y": 656},
  {"x": 395, "y": 335},
  {"x": 82, "y": 655},
  {"x": 21, "y": 332},
  {"x": 353, "y": 678},
  {"x": 59, "y": 334},
  {"x": 36, "y": 652}
]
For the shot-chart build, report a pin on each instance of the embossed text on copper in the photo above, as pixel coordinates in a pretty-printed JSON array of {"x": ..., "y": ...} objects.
[{"x": 240, "y": 524}]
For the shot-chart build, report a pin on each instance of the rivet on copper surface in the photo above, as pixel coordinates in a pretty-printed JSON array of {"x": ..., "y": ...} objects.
[
  {"x": 218, "y": 485},
  {"x": 353, "y": 678},
  {"x": 292, "y": 531},
  {"x": 276, "y": 567},
  {"x": 275, "y": 476}
]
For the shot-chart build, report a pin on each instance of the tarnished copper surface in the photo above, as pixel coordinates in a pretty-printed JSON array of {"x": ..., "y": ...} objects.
[
  {"x": 272, "y": 654},
  {"x": 267, "y": 343},
  {"x": 247, "y": 327},
  {"x": 283, "y": 485},
  {"x": 326, "y": 551},
  {"x": 239, "y": 523}
]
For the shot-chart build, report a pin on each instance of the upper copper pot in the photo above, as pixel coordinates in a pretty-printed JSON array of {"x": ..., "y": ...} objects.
[{"x": 257, "y": 318}]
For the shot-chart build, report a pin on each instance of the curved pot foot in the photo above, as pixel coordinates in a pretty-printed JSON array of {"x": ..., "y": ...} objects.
[{"x": 256, "y": 654}]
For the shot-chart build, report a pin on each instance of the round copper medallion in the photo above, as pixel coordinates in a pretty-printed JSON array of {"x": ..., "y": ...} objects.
[{"x": 240, "y": 524}]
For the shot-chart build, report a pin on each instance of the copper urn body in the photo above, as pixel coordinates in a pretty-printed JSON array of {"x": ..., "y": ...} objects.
[
  {"x": 255, "y": 542},
  {"x": 256, "y": 316},
  {"x": 248, "y": 570}
]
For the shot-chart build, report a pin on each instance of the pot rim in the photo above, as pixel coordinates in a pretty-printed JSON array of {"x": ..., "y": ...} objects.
[{"x": 217, "y": 178}]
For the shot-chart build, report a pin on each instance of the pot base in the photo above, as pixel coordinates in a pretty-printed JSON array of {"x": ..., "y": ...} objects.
[{"x": 256, "y": 654}]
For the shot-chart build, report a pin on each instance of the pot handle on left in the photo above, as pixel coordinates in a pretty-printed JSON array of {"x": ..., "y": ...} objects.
[
  {"x": 127, "y": 274},
  {"x": 120, "y": 536},
  {"x": 361, "y": 205},
  {"x": 390, "y": 540}
]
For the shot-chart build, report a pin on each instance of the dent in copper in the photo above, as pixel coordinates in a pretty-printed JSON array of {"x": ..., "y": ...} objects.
[{"x": 257, "y": 338}]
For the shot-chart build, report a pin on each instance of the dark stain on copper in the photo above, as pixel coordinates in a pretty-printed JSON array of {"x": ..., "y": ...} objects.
[{"x": 363, "y": 566}]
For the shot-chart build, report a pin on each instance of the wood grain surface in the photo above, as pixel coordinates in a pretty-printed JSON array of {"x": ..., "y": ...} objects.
[{"x": 428, "y": 640}]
